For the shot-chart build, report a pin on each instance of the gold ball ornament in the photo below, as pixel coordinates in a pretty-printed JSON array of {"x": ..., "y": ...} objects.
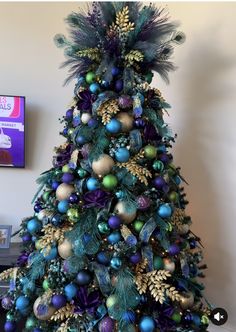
[
  {"x": 45, "y": 213},
  {"x": 169, "y": 265},
  {"x": 126, "y": 121},
  {"x": 65, "y": 249},
  {"x": 48, "y": 310},
  {"x": 64, "y": 191},
  {"x": 124, "y": 212},
  {"x": 103, "y": 165},
  {"x": 186, "y": 300}
]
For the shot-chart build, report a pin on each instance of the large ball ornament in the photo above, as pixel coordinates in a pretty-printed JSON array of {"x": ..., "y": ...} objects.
[
  {"x": 126, "y": 214},
  {"x": 65, "y": 249},
  {"x": 164, "y": 210},
  {"x": 90, "y": 77},
  {"x": 103, "y": 165},
  {"x": 43, "y": 311},
  {"x": 138, "y": 225},
  {"x": 7, "y": 302},
  {"x": 186, "y": 300},
  {"x": 83, "y": 278},
  {"x": 116, "y": 263},
  {"x": 94, "y": 87},
  {"x": 114, "y": 237},
  {"x": 169, "y": 265},
  {"x": 92, "y": 184},
  {"x": 111, "y": 301},
  {"x": 110, "y": 181},
  {"x": 64, "y": 191},
  {"x": 34, "y": 225},
  {"x": 63, "y": 206},
  {"x": 122, "y": 155},
  {"x": 58, "y": 301},
  {"x": 147, "y": 324},
  {"x": 114, "y": 222},
  {"x": 114, "y": 126},
  {"x": 85, "y": 117},
  {"x": 71, "y": 291},
  {"x": 106, "y": 325},
  {"x": 125, "y": 101},
  {"x": 67, "y": 177},
  {"x": 158, "y": 263},
  {"x": 10, "y": 326},
  {"x": 126, "y": 121},
  {"x": 150, "y": 151},
  {"x": 173, "y": 249}
]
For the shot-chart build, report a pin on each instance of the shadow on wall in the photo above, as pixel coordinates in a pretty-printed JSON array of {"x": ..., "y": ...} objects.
[{"x": 198, "y": 149}]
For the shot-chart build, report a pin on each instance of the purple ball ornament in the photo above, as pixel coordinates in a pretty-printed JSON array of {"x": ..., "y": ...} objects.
[
  {"x": 139, "y": 123},
  {"x": 58, "y": 301},
  {"x": 115, "y": 71},
  {"x": 135, "y": 258},
  {"x": 7, "y": 303},
  {"x": 26, "y": 237},
  {"x": 159, "y": 182},
  {"x": 10, "y": 326},
  {"x": 174, "y": 249},
  {"x": 93, "y": 123},
  {"x": 164, "y": 158},
  {"x": 65, "y": 131},
  {"x": 125, "y": 101},
  {"x": 119, "y": 85},
  {"x": 143, "y": 202},
  {"x": 37, "y": 207},
  {"x": 74, "y": 198},
  {"x": 106, "y": 325},
  {"x": 67, "y": 177},
  {"x": 69, "y": 114},
  {"x": 114, "y": 222}
]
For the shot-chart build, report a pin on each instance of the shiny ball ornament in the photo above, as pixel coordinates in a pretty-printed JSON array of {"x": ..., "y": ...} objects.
[
  {"x": 103, "y": 228},
  {"x": 59, "y": 301},
  {"x": 55, "y": 185},
  {"x": 73, "y": 214},
  {"x": 114, "y": 237},
  {"x": 65, "y": 169},
  {"x": 69, "y": 114},
  {"x": 64, "y": 191},
  {"x": 92, "y": 184},
  {"x": 81, "y": 172},
  {"x": 85, "y": 117},
  {"x": 164, "y": 210},
  {"x": 111, "y": 301},
  {"x": 80, "y": 139},
  {"x": 90, "y": 77},
  {"x": 10, "y": 326},
  {"x": 125, "y": 101},
  {"x": 7, "y": 302},
  {"x": 173, "y": 249},
  {"x": 114, "y": 222},
  {"x": 126, "y": 121},
  {"x": 158, "y": 263},
  {"x": 148, "y": 77},
  {"x": 83, "y": 278},
  {"x": 122, "y": 155},
  {"x": 103, "y": 165},
  {"x": 119, "y": 85},
  {"x": 143, "y": 202},
  {"x": 34, "y": 225},
  {"x": 63, "y": 206},
  {"x": 70, "y": 291},
  {"x": 186, "y": 300},
  {"x": 114, "y": 126},
  {"x": 94, "y": 87},
  {"x": 74, "y": 198},
  {"x": 169, "y": 265},
  {"x": 116, "y": 263},
  {"x": 46, "y": 195},
  {"x": 109, "y": 182},
  {"x": 176, "y": 317},
  {"x": 138, "y": 225},
  {"x": 10, "y": 316},
  {"x": 70, "y": 131},
  {"x": 56, "y": 219},
  {"x": 22, "y": 303},
  {"x": 147, "y": 324},
  {"x": 103, "y": 258},
  {"x": 67, "y": 177},
  {"x": 158, "y": 166},
  {"x": 124, "y": 212},
  {"x": 106, "y": 325},
  {"x": 30, "y": 323},
  {"x": 150, "y": 151},
  {"x": 46, "y": 284},
  {"x": 42, "y": 310},
  {"x": 65, "y": 249},
  {"x": 135, "y": 258}
]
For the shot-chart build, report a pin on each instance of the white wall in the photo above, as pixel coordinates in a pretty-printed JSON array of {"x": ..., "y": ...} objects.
[{"x": 202, "y": 93}]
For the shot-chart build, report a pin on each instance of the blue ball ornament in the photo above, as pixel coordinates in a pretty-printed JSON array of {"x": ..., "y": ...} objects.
[
  {"x": 56, "y": 219},
  {"x": 129, "y": 317},
  {"x": 103, "y": 258},
  {"x": 93, "y": 123},
  {"x": 114, "y": 222},
  {"x": 114, "y": 126},
  {"x": 69, "y": 114},
  {"x": 63, "y": 206},
  {"x": 164, "y": 210},
  {"x": 55, "y": 184},
  {"x": 10, "y": 326},
  {"x": 92, "y": 184},
  {"x": 196, "y": 319},
  {"x": 122, "y": 155},
  {"x": 94, "y": 87},
  {"x": 105, "y": 84},
  {"x": 119, "y": 85},
  {"x": 177, "y": 180},
  {"x": 22, "y": 303},
  {"x": 37, "y": 329},
  {"x": 114, "y": 237},
  {"x": 65, "y": 131},
  {"x": 147, "y": 324},
  {"x": 116, "y": 263},
  {"x": 83, "y": 278},
  {"x": 80, "y": 140},
  {"x": 71, "y": 291},
  {"x": 58, "y": 301},
  {"x": 67, "y": 177},
  {"x": 52, "y": 254},
  {"x": 115, "y": 71},
  {"x": 34, "y": 225}
]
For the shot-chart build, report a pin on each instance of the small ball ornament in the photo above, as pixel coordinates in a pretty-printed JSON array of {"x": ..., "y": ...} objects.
[
  {"x": 103, "y": 165},
  {"x": 56, "y": 219},
  {"x": 169, "y": 265},
  {"x": 83, "y": 278},
  {"x": 114, "y": 222},
  {"x": 138, "y": 225},
  {"x": 114, "y": 237},
  {"x": 64, "y": 191},
  {"x": 114, "y": 126},
  {"x": 63, "y": 206},
  {"x": 110, "y": 181},
  {"x": 26, "y": 237},
  {"x": 73, "y": 214},
  {"x": 176, "y": 317},
  {"x": 65, "y": 169},
  {"x": 42, "y": 310},
  {"x": 122, "y": 155},
  {"x": 67, "y": 177},
  {"x": 10, "y": 326},
  {"x": 94, "y": 87},
  {"x": 126, "y": 121},
  {"x": 103, "y": 228},
  {"x": 173, "y": 196},
  {"x": 106, "y": 325},
  {"x": 111, "y": 301},
  {"x": 58, "y": 301},
  {"x": 126, "y": 214},
  {"x": 119, "y": 85},
  {"x": 65, "y": 249},
  {"x": 69, "y": 114},
  {"x": 150, "y": 151},
  {"x": 164, "y": 210},
  {"x": 116, "y": 263},
  {"x": 158, "y": 166},
  {"x": 135, "y": 258},
  {"x": 159, "y": 182},
  {"x": 85, "y": 117},
  {"x": 34, "y": 225},
  {"x": 158, "y": 263},
  {"x": 81, "y": 172},
  {"x": 147, "y": 324},
  {"x": 7, "y": 302},
  {"x": 71, "y": 291},
  {"x": 186, "y": 300},
  {"x": 103, "y": 258},
  {"x": 45, "y": 284},
  {"x": 90, "y": 77},
  {"x": 115, "y": 71},
  {"x": 52, "y": 254},
  {"x": 92, "y": 184},
  {"x": 30, "y": 323},
  {"x": 74, "y": 198}
]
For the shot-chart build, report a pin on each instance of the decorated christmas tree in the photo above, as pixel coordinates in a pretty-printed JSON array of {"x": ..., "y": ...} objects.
[{"x": 109, "y": 246}]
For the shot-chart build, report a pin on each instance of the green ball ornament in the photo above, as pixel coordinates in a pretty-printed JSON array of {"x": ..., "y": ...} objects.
[
  {"x": 158, "y": 263},
  {"x": 66, "y": 169},
  {"x": 30, "y": 323},
  {"x": 148, "y": 77},
  {"x": 81, "y": 172},
  {"x": 10, "y": 316},
  {"x": 73, "y": 214},
  {"x": 90, "y": 77},
  {"x": 150, "y": 151},
  {"x": 70, "y": 131},
  {"x": 138, "y": 225},
  {"x": 171, "y": 170},
  {"x": 110, "y": 182},
  {"x": 45, "y": 284},
  {"x": 173, "y": 196},
  {"x": 103, "y": 228},
  {"x": 176, "y": 317},
  {"x": 158, "y": 166},
  {"x": 111, "y": 301},
  {"x": 205, "y": 320},
  {"x": 46, "y": 195}
]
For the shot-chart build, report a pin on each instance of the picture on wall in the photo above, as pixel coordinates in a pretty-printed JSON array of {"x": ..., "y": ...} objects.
[
  {"x": 12, "y": 131},
  {"x": 5, "y": 236}
]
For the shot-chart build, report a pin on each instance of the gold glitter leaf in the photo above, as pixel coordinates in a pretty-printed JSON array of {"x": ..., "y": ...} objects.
[
  {"x": 91, "y": 53},
  {"x": 107, "y": 110},
  {"x": 64, "y": 313}
]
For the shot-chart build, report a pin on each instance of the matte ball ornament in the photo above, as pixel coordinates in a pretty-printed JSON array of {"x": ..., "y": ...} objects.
[
  {"x": 111, "y": 301},
  {"x": 186, "y": 300},
  {"x": 150, "y": 151},
  {"x": 173, "y": 196},
  {"x": 55, "y": 185},
  {"x": 164, "y": 210},
  {"x": 7, "y": 302},
  {"x": 115, "y": 71},
  {"x": 69, "y": 114},
  {"x": 34, "y": 225},
  {"x": 103, "y": 165},
  {"x": 22, "y": 302},
  {"x": 114, "y": 237},
  {"x": 122, "y": 155},
  {"x": 45, "y": 284},
  {"x": 183, "y": 229},
  {"x": 126, "y": 121},
  {"x": 125, "y": 101},
  {"x": 148, "y": 77},
  {"x": 147, "y": 324},
  {"x": 30, "y": 323},
  {"x": 74, "y": 198},
  {"x": 114, "y": 222},
  {"x": 174, "y": 249},
  {"x": 52, "y": 254},
  {"x": 70, "y": 131},
  {"x": 64, "y": 191},
  {"x": 114, "y": 126},
  {"x": 63, "y": 206},
  {"x": 143, "y": 202},
  {"x": 46, "y": 195},
  {"x": 26, "y": 237},
  {"x": 126, "y": 214},
  {"x": 65, "y": 169},
  {"x": 169, "y": 265},
  {"x": 94, "y": 87},
  {"x": 158, "y": 263},
  {"x": 110, "y": 181},
  {"x": 176, "y": 317},
  {"x": 83, "y": 278},
  {"x": 106, "y": 325},
  {"x": 159, "y": 182},
  {"x": 42, "y": 310},
  {"x": 73, "y": 214},
  {"x": 103, "y": 258},
  {"x": 116, "y": 263},
  {"x": 90, "y": 77},
  {"x": 10, "y": 326},
  {"x": 164, "y": 158},
  {"x": 138, "y": 225},
  {"x": 135, "y": 258},
  {"x": 37, "y": 329},
  {"x": 93, "y": 123},
  {"x": 103, "y": 228},
  {"x": 92, "y": 184},
  {"x": 85, "y": 117},
  {"x": 65, "y": 249},
  {"x": 119, "y": 85},
  {"x": 196, "y": 319},
  {"x": 80, "y": 139},
  {"x": 158, "y": 166},
  {"x": 58, "y": 301},
  {"x": 71, "y": 291}
]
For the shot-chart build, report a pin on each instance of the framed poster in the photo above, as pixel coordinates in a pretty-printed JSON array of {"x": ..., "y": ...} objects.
[{"x": 12, "y": 131}]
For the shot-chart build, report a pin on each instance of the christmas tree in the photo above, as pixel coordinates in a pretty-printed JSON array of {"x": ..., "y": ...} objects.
[{"x": 109, "y": 246}]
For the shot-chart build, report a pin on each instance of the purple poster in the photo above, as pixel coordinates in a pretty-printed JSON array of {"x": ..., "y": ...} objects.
[{"x": 12, "y": 131}]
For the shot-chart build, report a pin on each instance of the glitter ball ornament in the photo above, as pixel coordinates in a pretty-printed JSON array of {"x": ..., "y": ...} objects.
[
  {"x": 64, "y": 191},
  {"x": 114, "y": 126},
  {"x": 106, "y": 325},
  {"x": 143, "y": 202},
  {"x": 147, "y": 324},
  {"x": 7, "y": 302},
  {"x": 43, "y": 310},
  {"x": 122, "y": 155},
  {"x": 65, "y": 249},
  {"x": 58, "y": 301},
  {"x": 110, "y": 182},
  {"x": 103, "y": 165},
  {"x": 126, "y": 121},
  {"x": 125, "y": 101}
]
